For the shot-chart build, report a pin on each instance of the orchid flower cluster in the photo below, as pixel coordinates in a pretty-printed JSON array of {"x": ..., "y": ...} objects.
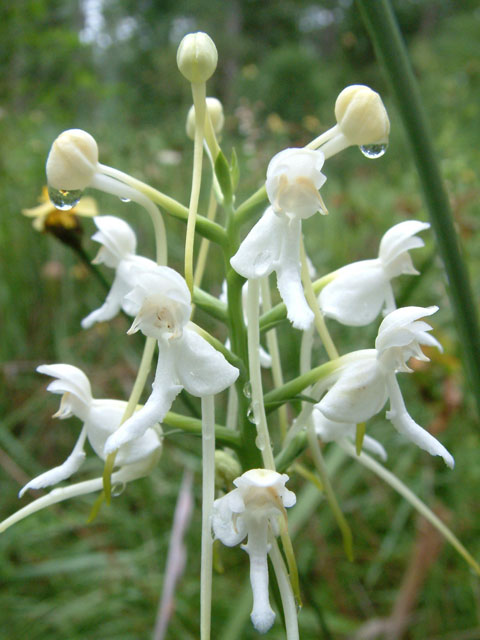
[{"x": 335, "y": 397}]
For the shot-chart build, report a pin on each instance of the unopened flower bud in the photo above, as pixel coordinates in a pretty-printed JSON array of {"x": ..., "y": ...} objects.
[
  {"x": 361, "y": 115},
  {"x": 215, "y": 111},
  {"x": 197, "y": 57},
  {"x": 227, "y": 468},
  {"x": 72, "y": 161}
]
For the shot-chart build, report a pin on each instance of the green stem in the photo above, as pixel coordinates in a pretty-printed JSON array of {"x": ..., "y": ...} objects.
[
  {"x": 416, "y": 503},
  {"x": 210, "y": 304},
  {"x": 138, "y": 387},
  {"x": 249, "y": 208},
  {"x": 390, "y": 48},
  {"x": 256, "y": 376},
  {"x": 329, "y": 493},
  {"x": 193, "y": 425},
  {"x": 204, "y": 227},
  {"x": 273, "y": 348},
  {"x": 208, "y": 496},
  {"x": 291, "y": 389},
  {"x": 198, "y": 92}
]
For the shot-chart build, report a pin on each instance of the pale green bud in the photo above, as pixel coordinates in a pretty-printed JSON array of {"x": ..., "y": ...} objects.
[
  {"x": 361, "y": 115},
  {"x": 215, "y": 111},
  {"x": 227, "y": 468},
  {"x": 197, "y": 57},
  {"x": 72, "y": 161}
]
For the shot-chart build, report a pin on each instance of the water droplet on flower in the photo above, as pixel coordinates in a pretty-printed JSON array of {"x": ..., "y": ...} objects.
[
  {"x": 247, "y": 390},
  {"x": 118, "y": 489},
  {"x": 125, "y": 199},
  {"x": 373, "y": 151},
  {"x": 63, "y": 199}
]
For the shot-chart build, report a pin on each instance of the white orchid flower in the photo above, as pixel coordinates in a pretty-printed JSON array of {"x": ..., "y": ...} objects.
[
  {"x": 273, "y": 244},
  {"x": 253, "y": 509},
  {"x": 119, "y": 243},
  {"x": 334, "y": 431},
  {"x": 360, "y": 290},
  {"x": 162, "y": 303},
  {"x": 367, "y": 378},
  {"x": 100, "y": 417}
]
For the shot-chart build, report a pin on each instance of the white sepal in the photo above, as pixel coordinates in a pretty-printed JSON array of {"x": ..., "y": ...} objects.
[
  {"x": 357, "y": 294},
  {"x": 200, "y": 368},
  {"x": 294, "y": 178},
  {"x": 259, "y": 252},
  {"x": 357, "y": 395},
  {"x": 404, "y": 423}
]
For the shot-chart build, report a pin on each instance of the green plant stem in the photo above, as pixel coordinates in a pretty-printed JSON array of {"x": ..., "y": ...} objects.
[
  {"x": 273, "y": 348},
  {"x": 291, "y": 389},
  {"x": 194, "y": 425},
  {"x": 210, "y": 304},
  {"x": 198, "y": 92},
  {"x": 206, "y": 228},
  {"x": 138, "y": 386},
  {"x": 328, "y": 490},
  {"x": 258, "y": 407},
  {"x": 249, "y": 208},
  {"x": 208, "y": 496},
  {"x": 390, "y": 48},
  {"x": 396, "y": 484}
]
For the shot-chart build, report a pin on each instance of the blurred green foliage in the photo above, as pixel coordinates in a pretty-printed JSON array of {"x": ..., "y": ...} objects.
[{"x": 281, "y": 66}]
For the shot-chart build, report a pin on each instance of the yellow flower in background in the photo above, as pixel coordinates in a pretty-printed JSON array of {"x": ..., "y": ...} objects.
[{"x": 47, "y": 217}]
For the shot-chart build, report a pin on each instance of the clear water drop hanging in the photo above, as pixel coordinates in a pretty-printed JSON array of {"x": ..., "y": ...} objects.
[
  {"x": 247, "y": 390},
  {"x": 260, "y": 442},
  {"x": 125, "y": 199},
  {"x": 118, "y": 489},
  {"x": 373, "y": 151},
  {"x": 64, "y": 199},
  {"x": 251, "y": 415}
]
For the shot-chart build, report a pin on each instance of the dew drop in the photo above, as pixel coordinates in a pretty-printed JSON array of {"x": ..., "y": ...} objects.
[
  {"x": 125, "y": 199},
  {"x": 118, "y": 489},
  {"x": 373, "y": 151},
  {"x": 260, "y": 442},
  {"x": 251, "y": 415},
  {"x": 63, "y": 199},
  {"x": 247, "y": 390}
]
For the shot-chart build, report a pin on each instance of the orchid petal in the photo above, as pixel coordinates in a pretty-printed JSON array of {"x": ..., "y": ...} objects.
[
  {"x": 165, "y": 389},
  {"x": 259, "y": 251},
  {"x": 289, "y": 280},
  {"x": 201, "y": 369},
  {"x": 356, "y": 295},
  {"x": 358, "y": 394},
  {"x": 404, "y": 423}
]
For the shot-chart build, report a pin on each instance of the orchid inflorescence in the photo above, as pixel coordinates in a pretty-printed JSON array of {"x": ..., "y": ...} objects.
[{"x": 338, "y": 397}]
